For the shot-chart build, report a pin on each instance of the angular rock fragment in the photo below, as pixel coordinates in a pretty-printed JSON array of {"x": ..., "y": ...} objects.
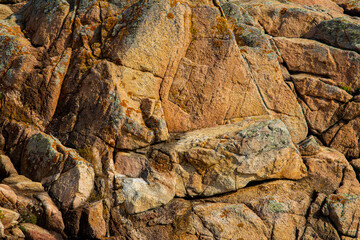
[
  {"x": 94, "y": 225},
  {"x": 69, "y": 177},
  {"x": 321, "y": 102},
  {"x": 53, "y": 216},
  {"x": 343, "y": 210},
  {"x": 74, "y": 186}
]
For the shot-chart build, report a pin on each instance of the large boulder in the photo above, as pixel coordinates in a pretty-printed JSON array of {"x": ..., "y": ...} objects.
[{"x": 224, "y": 159}]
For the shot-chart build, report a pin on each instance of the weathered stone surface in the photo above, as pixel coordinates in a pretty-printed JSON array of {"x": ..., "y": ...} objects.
[
  {"x": 141, "y": 47},
  {"x": 8, "y": 217},
  {"x": 284, "y": 19},
  {"x": 186, "y": 106},
  {"x": 17, "y": 232},
  {"x": 319, "y": 226},
  {"x": 223, "y": 159},
  {"x": 22, "y": 183},
  {"x": 338, "y": 32},
  {"x": 53, "y": 216},
  {"x": 94, "y": 220},
  {"x": 2, "y": 230},
  {"x": 121, "y": 81},
  {"x": 321, "y": 102},
  {"x": 309, "y": 147},
  {"x": 119, "y": 120},
  {"x": 350, "y": 6},
  {"x": 326, "y": 169},
  {"x": 327, "y": 4},
  {"x": 6, "y": 167},
  {"x": 35, "y": 232},
  {"x": 70, "y": 179},
  {"x": 230, "y": 221},
  {"x": 309, "y": 56},
  {"x": 277, "y": 96},
  {"x": 5, "y": 11},
  {"x": 343, "y": 210},
  {"x": 74, "y": 186},
  {"x": 7, "y": 195},
  {"x": 51, "y": 15},
  {"x": 130, "y": 164},
  {"x": 344, "y": 137},
  {"x": 139, "y": 195}
]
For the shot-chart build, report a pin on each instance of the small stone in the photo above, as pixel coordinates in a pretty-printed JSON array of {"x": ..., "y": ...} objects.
[
  {"x": 17, "y": 232},
  {"x": 309, "y": 146},
  {"x": 7, "y": 195},
  {"x": 8, "y": 217},
  {"x": 6, "y": 167},
  {"x": 5, "y": 11}
]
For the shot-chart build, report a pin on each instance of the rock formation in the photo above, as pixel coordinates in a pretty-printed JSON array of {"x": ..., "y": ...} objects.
[{"x": 193, "y": 119}]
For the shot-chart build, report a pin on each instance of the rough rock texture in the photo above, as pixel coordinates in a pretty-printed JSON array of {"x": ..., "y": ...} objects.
[{"x": 194, "y": 119}]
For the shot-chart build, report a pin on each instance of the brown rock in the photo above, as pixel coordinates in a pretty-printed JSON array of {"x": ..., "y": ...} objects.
[
  {"x": 72, "y": 221},
  {"x": 74, "y": 187},
  {"x": 326, "y": 170},
  {"x": 118, "y": 120},
  {"x": 2, "y": 230},
  {"x": 327, "y": 4},
  {"x": 344, "y": 138},
  {"x": 34, "y": 232},
  {"x": 6, "y": 167},
  {"x": 225, "y": 158},
  {"x": 188, "y": 107},
  {"x": 7, "y": 195},
  {"x": 356, "y": 164},
  {"x": 277, "y": 96},
  {"x": 308, "y": 56},
  {"x": 319, "y": 226},
  {"x": 8, "y": 217},
  {"x": 309, "y": 147},
  {"x": 230, "y": 221},
  {"x": 130, "y": 164},
  {"x": 51, "y": 21},
  {"x": 342, "y": 32},
  {"x": 284, "y": 19},
  {"x": 5, "y": 11},
  {"x": 349, "y": 6},
  {"x": 53, "y": 216},
  {"x": 22, "y": 183},
  {"x": 343, "y": 210},
  {"x": 94, "y": 225},
  {"x": 321, "y": 102},
  {"x": 17, "y": 232},
  {"x": 151, "y": 49}
]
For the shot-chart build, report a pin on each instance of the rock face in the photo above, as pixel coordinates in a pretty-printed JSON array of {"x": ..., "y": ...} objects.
[{"x": 179, "y": 119}]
